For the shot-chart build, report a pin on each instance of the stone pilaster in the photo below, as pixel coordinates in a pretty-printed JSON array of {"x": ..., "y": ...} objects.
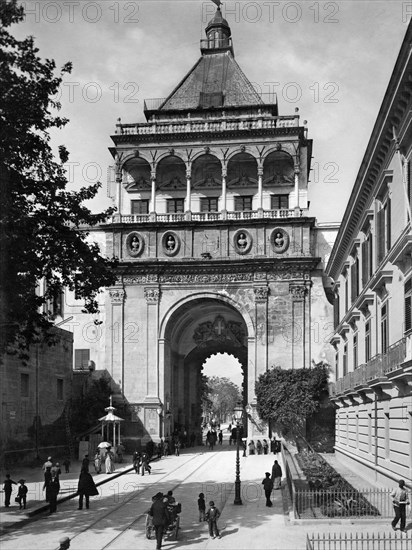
[{"x": 117, "y": 297}]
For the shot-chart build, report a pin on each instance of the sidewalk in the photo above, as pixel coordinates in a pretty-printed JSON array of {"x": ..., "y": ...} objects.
[{"x": 12, "y": 517}]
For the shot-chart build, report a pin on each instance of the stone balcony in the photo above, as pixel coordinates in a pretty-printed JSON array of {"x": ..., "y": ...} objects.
[
  {"x": 391, "y": 369},
  {"x": 209, "y": 216},
  {"x": 214, "y": 125}
]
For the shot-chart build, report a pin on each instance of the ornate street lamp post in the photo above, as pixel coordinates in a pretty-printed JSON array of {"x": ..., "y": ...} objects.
[{"x": 238, "y": 417}]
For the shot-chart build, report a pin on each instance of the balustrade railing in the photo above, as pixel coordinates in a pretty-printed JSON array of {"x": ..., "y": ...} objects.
[
  {"x": 377, "y": 367},
  {"x": 359, "y": 541}
]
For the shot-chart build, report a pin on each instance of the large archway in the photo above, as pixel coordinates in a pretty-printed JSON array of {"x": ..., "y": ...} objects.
[{"x": 196, "y": 330}]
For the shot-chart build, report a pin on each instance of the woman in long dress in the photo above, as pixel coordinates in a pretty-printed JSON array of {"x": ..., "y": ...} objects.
[{"x": 109, "y": 461}]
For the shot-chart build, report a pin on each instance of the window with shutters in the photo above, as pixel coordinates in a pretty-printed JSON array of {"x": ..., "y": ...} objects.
[
  {"x": 345, "y": 360},
  {"x": 408, "y": 306},
  {"x": 174, "y": 206},
  {"x": 354, "y": 277},
  {"x": 337, "y": 365},
  {"x": 355, "y": 351},
  {"x": 279, "y": 202},
  {"x": 367, "y": 341},
  {"x": 209, "y": 204},
  {"x": 384, "y": 229},
  {"x": 81, "y": 359},
  {"x": 243, "y": 203},
  {"x": 336, "y": 316},
  {"x": 384, "y": 328},
  {"x": 140, "y": 206},
  {"x": 346, "y": 293},
  {"x": 367, "y": 259}
]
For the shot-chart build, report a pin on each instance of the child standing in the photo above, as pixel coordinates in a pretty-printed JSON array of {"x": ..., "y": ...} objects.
[
  {"x": 22, "y": 493},
  {"x": 202, "y": 507},
  {"x": 212, "y": 515}
]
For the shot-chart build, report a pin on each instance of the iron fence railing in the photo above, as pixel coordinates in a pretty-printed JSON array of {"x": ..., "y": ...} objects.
[
  {"x": 343, "y": 503},
  {"x": 359, "y": 541}
]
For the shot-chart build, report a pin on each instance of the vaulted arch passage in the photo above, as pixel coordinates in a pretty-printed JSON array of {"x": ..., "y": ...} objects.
[{"x": 198, "y": 329}]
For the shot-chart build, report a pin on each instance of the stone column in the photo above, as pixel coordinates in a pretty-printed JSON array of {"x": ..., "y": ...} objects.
[
  {"x": 224, "y": 210},
  {"x": 260, "y": 189},
  {"x": 153, "y": 197},
  {"x": 299, "y": 333},
  {"x": 188, "y": 193},
  {"x": 297, "y": 172},
  {"x": 116, "y": 361}
]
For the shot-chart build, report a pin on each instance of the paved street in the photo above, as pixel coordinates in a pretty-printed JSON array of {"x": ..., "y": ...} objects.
[{"x": 116, "y": 518}]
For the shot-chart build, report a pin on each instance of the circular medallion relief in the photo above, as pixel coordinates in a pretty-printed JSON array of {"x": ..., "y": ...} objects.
[
  {"x": 134, "y": 244},
  {"x": 279, "y": 240},
  {"x": 242, "y": 241},
  {"x": 170, "y": 243}
]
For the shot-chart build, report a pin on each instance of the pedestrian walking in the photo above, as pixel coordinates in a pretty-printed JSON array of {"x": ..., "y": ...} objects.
[
  {"x": 55, "y": 470},
  {"x": 201, "y": 504},
  {"x": 259, "y": 447},
  {"x": 97, "y": 462},
  {"x": 252, "y": 448},
  {"x": 160, "y": 449},
  {"x": 109, "y": 461},
  {"x": 64, "y": 543},
  {"x": 158, "y": 511},
  {"x": 22, "y": 494},
  {"x": 400, "y": 501},
  {"x": 192, "y": 439},
  {"x": 53, "y": 490},
  {"x": 220, "y": 437},
  {"x": 8, "y": 489},
  {"x": 136, "y": 461},
  {"x": 145, "y": 464},
  {"x": 46, "y": 485},
  {"x": 66, "y": 464},
  {"x": 276, "y": 475},
  {"x": 265, "y": 446},
  {"x": 212, "y": 515},
  {"x": 47, "y": 464},
  {"x": 86, "y": 488},
  {"x": 119, "y": 452},
  {"x": 177, "y": 447},
  {"x": 86, "y": 462},
  {"x": 268, "y": 488}
]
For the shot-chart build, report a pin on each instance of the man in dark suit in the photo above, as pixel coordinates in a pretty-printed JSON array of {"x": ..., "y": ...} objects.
[{"x": 160, "y": 516}]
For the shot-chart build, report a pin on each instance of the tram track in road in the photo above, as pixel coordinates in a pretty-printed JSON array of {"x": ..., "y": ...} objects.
[{"x": 141, "y": 494}]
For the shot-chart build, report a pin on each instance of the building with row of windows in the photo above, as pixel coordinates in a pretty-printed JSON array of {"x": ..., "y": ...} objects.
[{"x": 371, "y": 267}]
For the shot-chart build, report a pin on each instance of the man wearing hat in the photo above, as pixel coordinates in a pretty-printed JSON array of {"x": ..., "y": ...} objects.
[
  {"x": 160, "y": 516},
  {"x": 64, "y": 543},
  {"x": 22, "y": 493},
  {"x": 400, "y": 500}
]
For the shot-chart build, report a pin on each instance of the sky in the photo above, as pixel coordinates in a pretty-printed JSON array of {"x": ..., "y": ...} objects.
[{"x": 332, "y": 60}]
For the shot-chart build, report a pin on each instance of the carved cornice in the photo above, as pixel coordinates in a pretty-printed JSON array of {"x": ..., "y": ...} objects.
[
  {"x": 298, "y": 291},
  {"x": 152, "y": 295},
  {"x": 117, "y": 295}
]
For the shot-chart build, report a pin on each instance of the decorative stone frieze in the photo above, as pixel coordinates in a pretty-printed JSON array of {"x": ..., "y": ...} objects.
[
  {"x": 152, "y": 295},
  {"x": 117, "y": 295},
  {"x": 219, "y": 330}
]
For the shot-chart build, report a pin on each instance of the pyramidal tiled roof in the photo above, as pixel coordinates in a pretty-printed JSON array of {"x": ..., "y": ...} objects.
[{"x": 213, "y": 75}]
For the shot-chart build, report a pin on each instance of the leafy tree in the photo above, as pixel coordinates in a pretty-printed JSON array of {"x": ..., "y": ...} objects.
[
  {"x": 288, "y": 397},
  {"x": 89, "y": 406},
  {"x": 224, "y": 395},
  {"x": 42, "y": 224}
]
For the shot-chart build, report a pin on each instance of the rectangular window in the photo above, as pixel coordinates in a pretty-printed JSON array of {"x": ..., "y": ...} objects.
[
  {"x": 60, "y": 393},
  {"x": 408, "y": 306},
  {"x": 384, "y": 328},
  {"x": 24, "y": 385},
  {"x": 346, "y": 293},
  {"x": 279, "y": 202},
  {"x": 355, "y": 351},
  {"x": 336, "y": 314},
  {"x": 243, "y": 203},
  {"x": 81, "y": 359},
  {"x": 209, "y": 204},
  {"x": 367, "y": 341},
  {"x": 337, "y": 365},
  {"x": 345, "y": 359},
  {"x": 384, "y": 230},
  {"x": 140, "y": 206},
  {"x": 175, "y": 205},
  {"x": 354, "y": 277}
]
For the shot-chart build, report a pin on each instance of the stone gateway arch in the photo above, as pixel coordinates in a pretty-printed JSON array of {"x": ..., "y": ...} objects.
[{"x": 217, "y": 249}]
